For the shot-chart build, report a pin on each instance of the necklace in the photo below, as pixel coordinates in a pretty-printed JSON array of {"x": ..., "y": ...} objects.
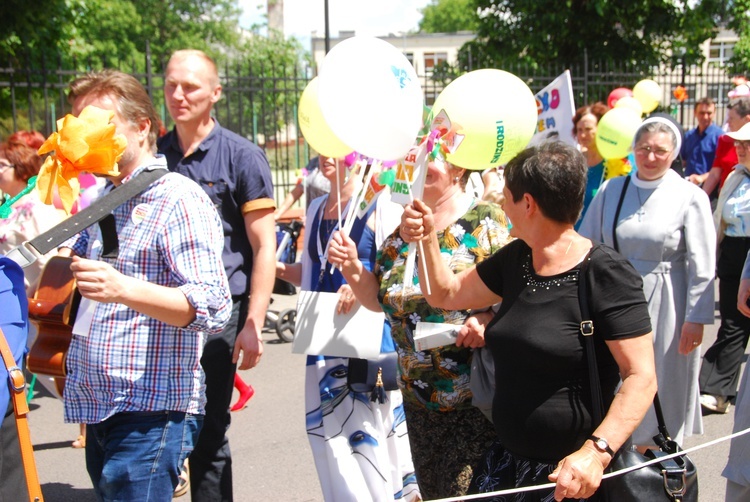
[
  {"x": 641, "y": 209},
  {"x": 569, "y": 244}
]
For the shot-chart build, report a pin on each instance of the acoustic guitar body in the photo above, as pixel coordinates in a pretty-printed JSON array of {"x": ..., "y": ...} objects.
[{"x": 53, "y": 310}]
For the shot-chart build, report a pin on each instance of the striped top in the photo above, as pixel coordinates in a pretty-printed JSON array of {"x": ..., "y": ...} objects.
[{"x": 169, "y": 235}]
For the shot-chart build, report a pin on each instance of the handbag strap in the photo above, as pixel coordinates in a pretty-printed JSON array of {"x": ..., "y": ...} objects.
[
  {"x": 17, "y": 385},
  {"x": 617, "y": 213},
  {"x": 587, "y": 330},
  {"x": 97, "y": 211}
]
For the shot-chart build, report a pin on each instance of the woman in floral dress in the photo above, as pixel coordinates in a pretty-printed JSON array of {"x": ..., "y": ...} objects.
[{"x": 447, "y": 433}]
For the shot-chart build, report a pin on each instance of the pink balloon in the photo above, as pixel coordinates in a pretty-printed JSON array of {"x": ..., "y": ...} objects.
[
  {"x": 350, "y": 159},
  {"x": 86, "y": 180},
  {"x": 616, "y": 94},
  {"x": 87, "y": 196}
]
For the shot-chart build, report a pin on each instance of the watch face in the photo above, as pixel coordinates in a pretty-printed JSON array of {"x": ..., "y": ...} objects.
[{"x": 602, "y": 444}]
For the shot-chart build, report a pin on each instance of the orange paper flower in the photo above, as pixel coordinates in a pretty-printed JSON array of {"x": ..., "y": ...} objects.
[
  {"x": 86, "y": 143},
  {"x": 680, "y": 93}
]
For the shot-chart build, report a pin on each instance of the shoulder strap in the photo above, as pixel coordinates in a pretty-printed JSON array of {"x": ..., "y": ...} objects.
[
  {"x": 97, "y": 211},
  {"x": 17, "y": 386},
  {"x": 587, "y": 330},
  {"x": 617, "y": 213}
]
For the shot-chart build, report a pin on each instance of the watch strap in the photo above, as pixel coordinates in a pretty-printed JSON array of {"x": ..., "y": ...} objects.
[{"x": 602, "y": 444}]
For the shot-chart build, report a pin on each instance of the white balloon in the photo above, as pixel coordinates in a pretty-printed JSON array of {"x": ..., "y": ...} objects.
[{"x": 371, "y": 97}]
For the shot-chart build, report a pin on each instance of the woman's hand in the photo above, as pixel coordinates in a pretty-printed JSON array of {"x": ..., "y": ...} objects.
[
  {"x": 579, "y": 474},
  {"x": 691, "y": 338},
  {"x": 417, "y": 222},
  {"x": 346, "y": 299},
  {"x": 342, "y": 250},
  {"x": 742, "y": 296},
  {"x": 471, "y": 333}
]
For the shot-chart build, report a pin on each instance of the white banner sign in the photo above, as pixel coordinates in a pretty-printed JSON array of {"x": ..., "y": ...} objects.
[
  {"x": 555, "y": 106},
  {"x": 321, "y": 330}
]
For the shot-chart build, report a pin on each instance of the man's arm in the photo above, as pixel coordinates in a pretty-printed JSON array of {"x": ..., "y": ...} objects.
[
  {"x": 260, "y": 228},
  {"x": 99, "y": 281}
]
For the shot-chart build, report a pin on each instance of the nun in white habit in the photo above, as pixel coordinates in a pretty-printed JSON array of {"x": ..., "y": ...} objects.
[{"x": 663, "y": 225}]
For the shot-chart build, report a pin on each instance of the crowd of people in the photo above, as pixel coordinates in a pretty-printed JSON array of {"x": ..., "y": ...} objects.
[{"x": 175, "y": 306}]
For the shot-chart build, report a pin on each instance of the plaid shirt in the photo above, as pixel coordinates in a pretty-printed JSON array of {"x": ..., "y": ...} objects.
[{"x": 169, "y": 235}]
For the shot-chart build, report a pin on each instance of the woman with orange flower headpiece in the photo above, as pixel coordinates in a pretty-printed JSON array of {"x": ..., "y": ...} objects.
[{"x": 28, "y": 216}]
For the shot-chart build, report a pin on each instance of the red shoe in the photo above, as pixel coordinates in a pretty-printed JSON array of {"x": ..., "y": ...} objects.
[{"x": 245, "y": 396}]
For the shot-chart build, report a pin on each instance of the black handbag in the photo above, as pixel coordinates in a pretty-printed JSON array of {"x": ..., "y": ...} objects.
[
  {"x": 674, "y": 480},
  {"x": 374, "y": 375}
]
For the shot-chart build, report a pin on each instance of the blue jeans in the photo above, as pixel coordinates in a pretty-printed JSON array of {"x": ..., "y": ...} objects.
[{"x": 137, "y": 456}]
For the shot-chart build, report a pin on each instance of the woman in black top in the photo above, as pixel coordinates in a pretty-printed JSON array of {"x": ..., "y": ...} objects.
[{"x": 542, "y": 407}]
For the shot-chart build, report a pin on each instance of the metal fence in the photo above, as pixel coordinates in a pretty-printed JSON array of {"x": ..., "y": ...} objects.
[{"x": 260, "y": 102}]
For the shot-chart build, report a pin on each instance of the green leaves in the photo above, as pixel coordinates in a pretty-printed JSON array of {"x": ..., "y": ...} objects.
[
  {"x": 449, "y": 16},
  {"x": 544, "y": 31}
]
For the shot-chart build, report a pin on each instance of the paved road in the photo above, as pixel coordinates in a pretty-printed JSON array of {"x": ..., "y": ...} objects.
[{"x": 272, "y": 459}]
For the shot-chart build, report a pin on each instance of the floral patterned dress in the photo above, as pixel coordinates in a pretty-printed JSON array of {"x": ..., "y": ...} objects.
[{"x": 435, "y": 383}]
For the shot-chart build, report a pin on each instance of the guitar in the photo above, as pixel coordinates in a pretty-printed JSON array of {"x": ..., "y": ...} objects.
[{"x": 53, "y": 309}]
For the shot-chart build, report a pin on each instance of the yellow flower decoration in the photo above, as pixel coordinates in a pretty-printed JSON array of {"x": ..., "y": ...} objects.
[
  {"x": 614, "y": 168},
  {"x": 86, "y": 143}
]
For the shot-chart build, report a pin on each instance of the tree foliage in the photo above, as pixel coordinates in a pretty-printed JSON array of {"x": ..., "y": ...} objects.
[
  {"x": 636, "y": 31},
  {"x": 449, "y": 16},
  {"x": 81, "y": 35},
  {"x": 739, "y": 21},
  {"x": 115, "y": 30}
]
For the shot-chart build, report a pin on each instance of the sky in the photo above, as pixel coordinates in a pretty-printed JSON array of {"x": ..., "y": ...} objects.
[{"x": 373, "y": 17}]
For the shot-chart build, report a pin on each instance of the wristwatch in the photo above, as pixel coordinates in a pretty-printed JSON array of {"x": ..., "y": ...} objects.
[{"x": 602, "y": 445}]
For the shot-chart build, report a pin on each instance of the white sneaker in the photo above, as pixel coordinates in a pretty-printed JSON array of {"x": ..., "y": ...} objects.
[{"x": 716, "y": 404}]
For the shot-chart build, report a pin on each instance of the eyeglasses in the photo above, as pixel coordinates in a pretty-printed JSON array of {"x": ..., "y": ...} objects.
[
  {"x": 5, "y": 167},
  {"x": 742, "y": 144},
  {"x": 659, "y": 153}
]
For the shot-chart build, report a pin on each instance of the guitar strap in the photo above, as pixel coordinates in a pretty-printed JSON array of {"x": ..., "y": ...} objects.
[
  {"x": 17, "y": 385},
  {"x": 96, "y": 212}
]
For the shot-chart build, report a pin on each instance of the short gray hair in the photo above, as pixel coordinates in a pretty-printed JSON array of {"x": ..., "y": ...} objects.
[{"x": 741, "y": 106}]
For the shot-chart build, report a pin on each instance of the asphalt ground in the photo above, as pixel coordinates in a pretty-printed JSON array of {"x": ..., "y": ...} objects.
[{"x": 271, "y": 455}]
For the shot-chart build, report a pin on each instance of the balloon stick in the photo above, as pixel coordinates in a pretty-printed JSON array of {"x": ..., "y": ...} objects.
[
  {"x": 352, "y": 215},
  {"x": 423, "y": 174},
  {"x": 338, "y": 191}
]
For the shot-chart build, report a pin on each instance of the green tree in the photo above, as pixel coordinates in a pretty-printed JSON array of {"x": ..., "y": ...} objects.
[
  {"x": 258, "y": 72},
  {"x": 449, "y": 16},
  {"x": 739, "y": 21},
  {"x": 638, "y": 31},
  {"x": 115, "y": 30},
  {"x": 27, "y": 29}
]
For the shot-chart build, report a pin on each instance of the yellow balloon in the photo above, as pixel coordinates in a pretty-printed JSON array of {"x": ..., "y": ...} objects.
[
  {"x": 314, "y": 127},
  {"x": 630, "y": 102},
  {"x": 495, "y": 111},
  {"x": 615, "y": 132},
  {"x": 648, "y": 94}
]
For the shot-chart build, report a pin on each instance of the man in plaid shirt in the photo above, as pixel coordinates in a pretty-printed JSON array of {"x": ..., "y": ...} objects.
[{"x": 134, "y": 374}]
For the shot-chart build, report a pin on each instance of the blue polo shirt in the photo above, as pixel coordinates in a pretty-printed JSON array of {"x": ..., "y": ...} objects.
[
  {"x": 235, "y": 174},
  {"x": 14, "y": 320},
  {"x": 698, "y": 149}
]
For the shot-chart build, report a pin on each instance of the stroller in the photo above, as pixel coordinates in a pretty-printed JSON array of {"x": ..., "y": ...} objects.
[{"x": 284, "y": 322}]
